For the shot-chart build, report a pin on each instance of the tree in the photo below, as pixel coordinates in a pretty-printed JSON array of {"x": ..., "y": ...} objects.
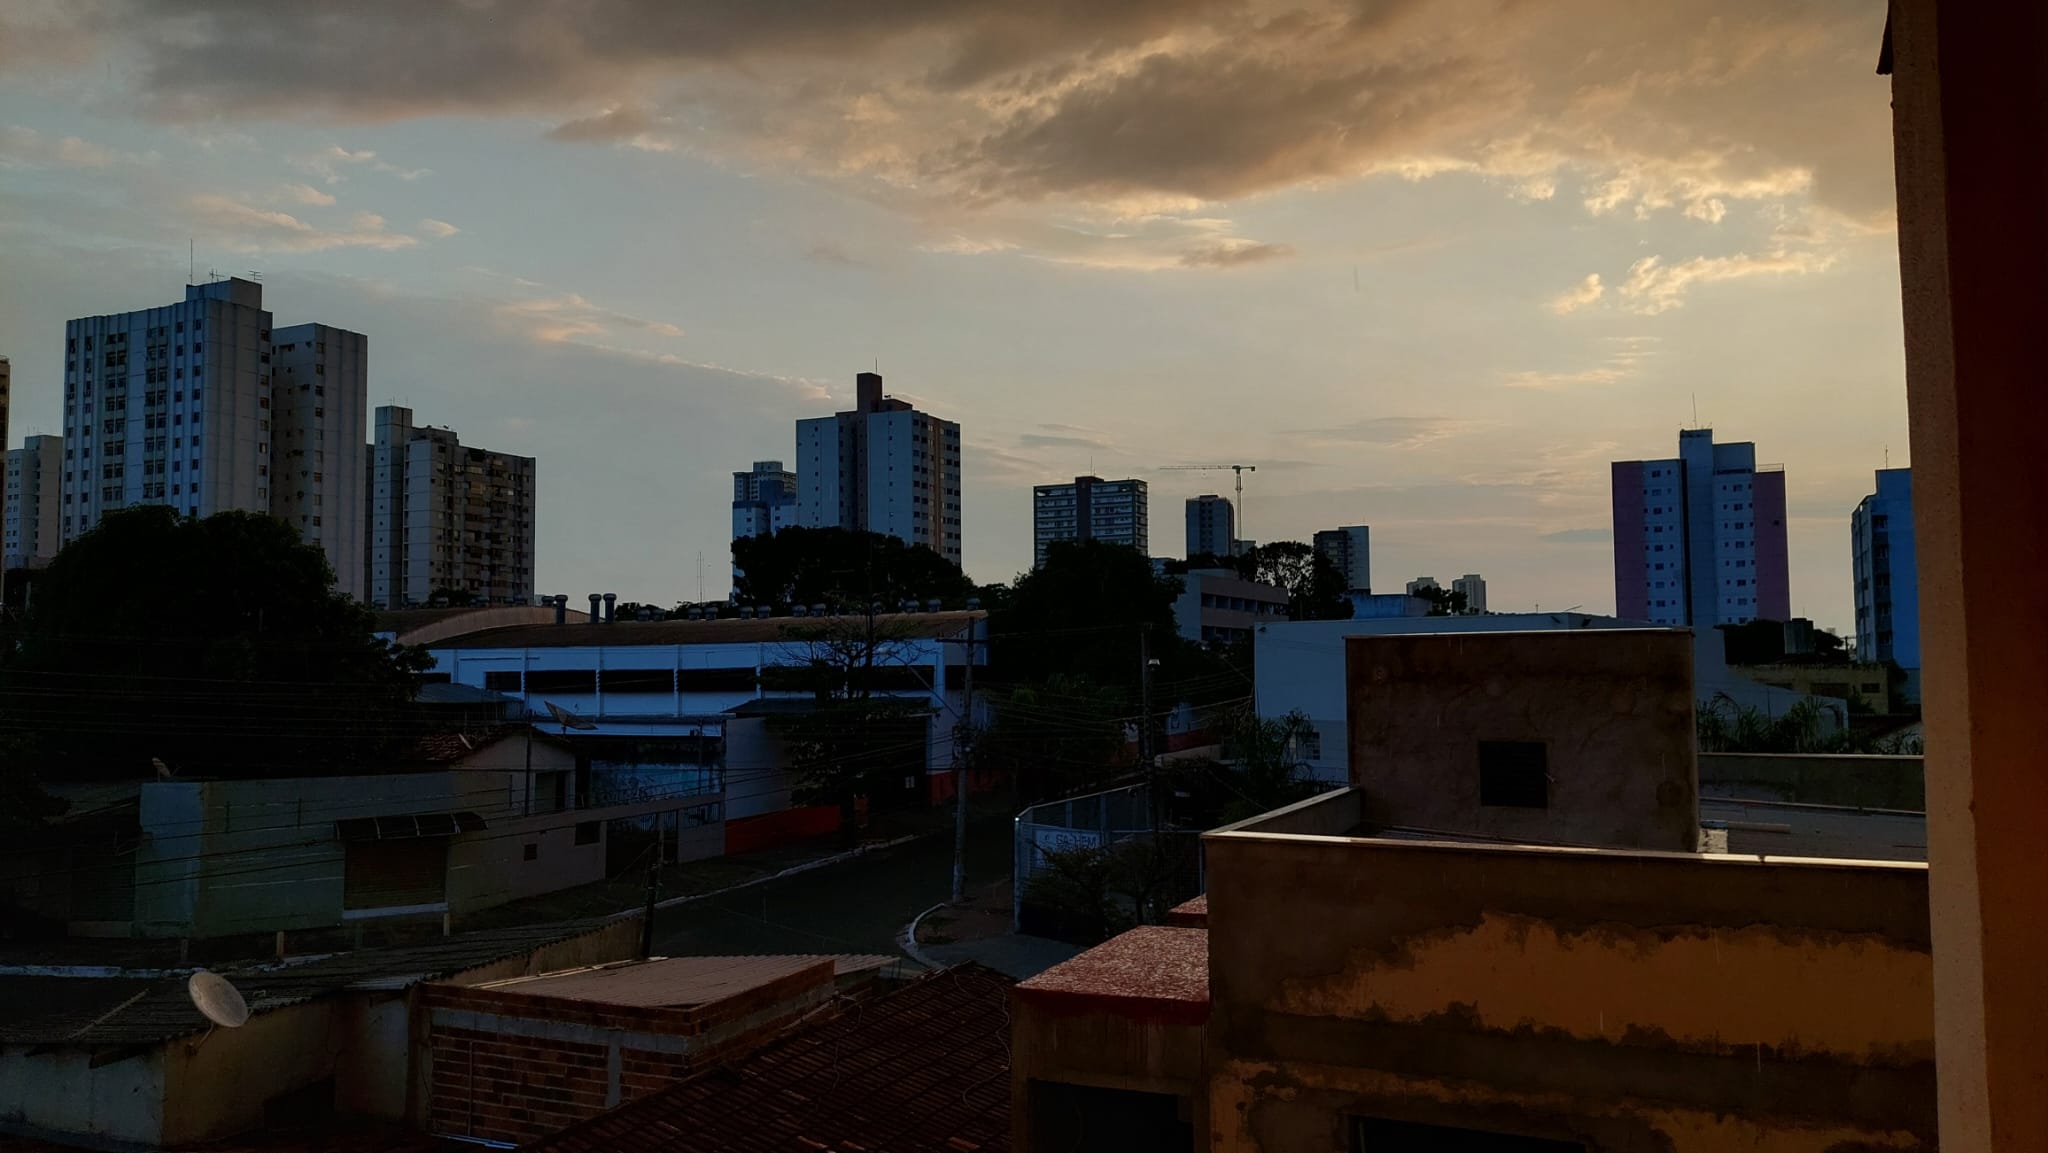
[
  {"x": 1443, "y": 602},
  {"x": 1080, "y": 614},
  {"x": 215, "y": 645},
  {"x": 1056, "y": 738},
  {"x": 844, "y": 569},
  {"x": 1315, "y": 589},
  {"x": 854, "y": 738}
]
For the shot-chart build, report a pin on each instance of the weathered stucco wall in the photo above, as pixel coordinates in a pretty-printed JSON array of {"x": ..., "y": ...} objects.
[
  {"x": 1874, "y": 782},
  {"x": 1624, "y": 1000},
  {"x": 61, "y": 1092},
  {"x": 1613, "y": 709}
]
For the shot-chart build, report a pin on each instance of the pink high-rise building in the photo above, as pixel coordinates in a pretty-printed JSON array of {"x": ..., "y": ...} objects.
[{"x": 1700, "y": 539}]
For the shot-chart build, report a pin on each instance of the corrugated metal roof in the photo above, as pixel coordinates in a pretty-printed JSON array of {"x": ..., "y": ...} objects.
[
  {"x": 97, "y": 1012},
  {"x": 889, "y": 626},
  {"x": 922, "y": 1069}
]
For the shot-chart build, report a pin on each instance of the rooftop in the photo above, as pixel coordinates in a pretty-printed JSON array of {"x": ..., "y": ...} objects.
[
  {"x": 770, "y": 630},
  {"x": 92, "y": 1012},
  {"x": 921, "y": 1069},
  {"x": 1152, "y": 972},
  {"x": 679, "y": 981}
]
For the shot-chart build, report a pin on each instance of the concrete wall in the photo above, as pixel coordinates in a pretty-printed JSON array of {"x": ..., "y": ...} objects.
[
  {"x": 1871, "y": 782},
  {"x": 61, "y": 1092},
  {"x": 1628, "y": 1001},
  {"x": 217, "y": 1084},
  {"x": 1613, "y": 709}
]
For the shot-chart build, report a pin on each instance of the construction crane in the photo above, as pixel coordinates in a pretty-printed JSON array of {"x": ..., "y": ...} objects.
[{"x": 1238, "y": 505}]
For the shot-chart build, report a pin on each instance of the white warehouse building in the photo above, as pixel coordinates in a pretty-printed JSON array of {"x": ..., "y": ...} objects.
[{"x": 694, "y": 696}]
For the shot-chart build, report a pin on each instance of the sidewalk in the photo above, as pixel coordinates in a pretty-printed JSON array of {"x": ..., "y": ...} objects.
[{"x": 978, "y": 930}]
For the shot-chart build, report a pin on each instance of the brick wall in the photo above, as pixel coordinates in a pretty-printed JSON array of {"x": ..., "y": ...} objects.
[{"x": 512, "y": 1067}]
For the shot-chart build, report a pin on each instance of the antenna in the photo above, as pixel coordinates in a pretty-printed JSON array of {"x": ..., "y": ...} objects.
[
  {"x": 217, "y": 999},
  {"x": 1887, "y": 456},
  {"x": 191, "y": 260},
  {"x": 1695, "y": 410}
]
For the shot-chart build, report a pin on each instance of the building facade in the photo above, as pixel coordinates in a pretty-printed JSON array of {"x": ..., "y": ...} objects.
[
  {"x": 320, "y": 390},
  {"x": 763, "y": 500},
  {"x": 1699, "y": 539},
  {"x": 1421, "y": 585},
  {"x": 1349, "y": 549},
  {"x": 881, "y": 467},
  {"x": 1212, "y": 526},
  {"x": 1887, "y": 573},
  {"x": 447, "y": 518},
  {"x": 1089, "y": 508},
  {"x": 1474, "y": 587},
  {"x": 1217, "y": 606},
  {"x": 32, "y": 491},
  {"x": 198, "y": 406}
]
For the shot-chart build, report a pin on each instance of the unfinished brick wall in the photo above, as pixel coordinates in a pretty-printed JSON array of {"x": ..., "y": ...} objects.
[{"x": 513, "y": 1067}]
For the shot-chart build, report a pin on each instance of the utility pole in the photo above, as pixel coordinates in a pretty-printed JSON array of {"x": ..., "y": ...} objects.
[
  {"x": 653, "y": 883},
  {"x": 961, "y": 758},
  {"x": 1146, "y": 751}
]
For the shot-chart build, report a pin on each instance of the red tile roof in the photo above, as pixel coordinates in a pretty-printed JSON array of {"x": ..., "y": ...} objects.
[
  {"x": 922, "y": 1069},
  {"x": 1151, "y": 973}
]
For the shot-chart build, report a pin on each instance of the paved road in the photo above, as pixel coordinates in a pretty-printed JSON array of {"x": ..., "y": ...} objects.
[
  {"x": 1812, "y": 831},
  {"x": 855, "y": 907}
]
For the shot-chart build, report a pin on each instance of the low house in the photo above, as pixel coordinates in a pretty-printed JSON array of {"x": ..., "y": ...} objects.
[
  {"x": 919, "y": 1069},
  {"x": 129, "y": 1058}
]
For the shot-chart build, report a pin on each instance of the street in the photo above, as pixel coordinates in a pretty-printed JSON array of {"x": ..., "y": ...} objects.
[{"x": 858, "y": 906}]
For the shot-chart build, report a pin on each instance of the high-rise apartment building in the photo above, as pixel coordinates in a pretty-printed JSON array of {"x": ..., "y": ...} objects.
[
  {"x": 1887, "y": 574},
  {"x": 6, "y": 391},
  {"x": 1421, "y": 585},
  {"x": 1699, "y": 539},
  {"x": 1212, "y": 526},
  {"x": 33, "y": 493},
  {"x": 1090, "y": 508},
  {"x": 882, "y": 467},
  {"x": 184, "y": 405},
  {"x": 320, "y": 392},
  {"x": 1349, "y": 549},
  {"x": 764, "y": 500},
  {"x": 1474, "y": 587},
  {"x": 446, "y": 518}
]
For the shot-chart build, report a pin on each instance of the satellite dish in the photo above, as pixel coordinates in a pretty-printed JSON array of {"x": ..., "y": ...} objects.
[
  {"x": 218, "y": 1000},
  {"x": 567, "y": 719}
]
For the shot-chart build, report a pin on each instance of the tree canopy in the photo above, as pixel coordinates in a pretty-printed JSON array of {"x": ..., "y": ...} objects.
[
  {"x": 215, "y": 645},
  {"x": 844, "y": 569}
]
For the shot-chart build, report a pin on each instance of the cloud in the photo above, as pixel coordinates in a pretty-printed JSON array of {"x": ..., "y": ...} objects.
[
  {"x": 244, "y": 227},
  {"x": 629, "y": 125},
  {"x": 1636, "y": 108},
  {"x": 827, "y": 252},
  {"x": 1653, "y": 286},
  {"x": 1587, "y": 291},
  {"x": 328, "y": 164},
  {"x": 1580, "y": 536},
  {"x": 569, "y": 318},
  {"x": 26, "y": 146},
  {"x": 438, "y": 228},
  {"x": 1391, "y": 431},
  {"x": 957, "y": 245},
  {"x": 1622, "y": 363},
  {"x": 1233, "y": 254},
  {"x": 306, "y": 194}
]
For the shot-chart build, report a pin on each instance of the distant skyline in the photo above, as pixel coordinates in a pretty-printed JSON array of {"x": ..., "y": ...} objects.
[{"x": 1430, "y": 266}]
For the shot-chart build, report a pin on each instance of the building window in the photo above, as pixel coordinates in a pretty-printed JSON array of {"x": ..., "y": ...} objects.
[
  {"x": 532, "y": 852},
  {"x": 1514, "y": 774},
  {"x": 502, "y": 680}
]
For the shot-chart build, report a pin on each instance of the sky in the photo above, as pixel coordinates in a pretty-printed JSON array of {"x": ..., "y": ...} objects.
[{"x": 1430, "y": 265}]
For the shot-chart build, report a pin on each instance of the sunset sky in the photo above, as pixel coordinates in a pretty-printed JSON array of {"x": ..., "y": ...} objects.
[{"x": 1429, "y": 265}]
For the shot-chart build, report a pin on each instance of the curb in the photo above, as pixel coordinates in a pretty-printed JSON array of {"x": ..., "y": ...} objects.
[
  {"x": 907, "y": 939},
  {"x": 793, "y": 870}
]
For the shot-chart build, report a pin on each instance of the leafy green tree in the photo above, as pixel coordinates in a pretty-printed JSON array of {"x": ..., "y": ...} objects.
[
  {"x": 856, "y": 738},
  {"x": 1443, "y": 602},
  {"x": 1315, "y": 589},
  {"x": 844, "y": 569},
  {"x": 1080, "y": 615},
  {"x": 1057, "y": 738},
  {"x": 215, "y": 646}
]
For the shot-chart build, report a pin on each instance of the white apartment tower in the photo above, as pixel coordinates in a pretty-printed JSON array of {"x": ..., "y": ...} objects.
[
  {"x": 1212, "y": 526},
  {"x": 1349, "y": 550},
  {"x": 320, "y": 390},
  {"x": 180, "y": 405},
  {"x": 882, "y": 467},
  {"x": 1089, "y": 508},
  {"x": 33, "y": 493},
  {"x": 1474, "y": 587},
  {"x": 445, "y": 517}
]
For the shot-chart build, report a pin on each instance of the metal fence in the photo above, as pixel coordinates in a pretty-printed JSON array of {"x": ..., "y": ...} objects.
[{"x": 1092, "y": 821}]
